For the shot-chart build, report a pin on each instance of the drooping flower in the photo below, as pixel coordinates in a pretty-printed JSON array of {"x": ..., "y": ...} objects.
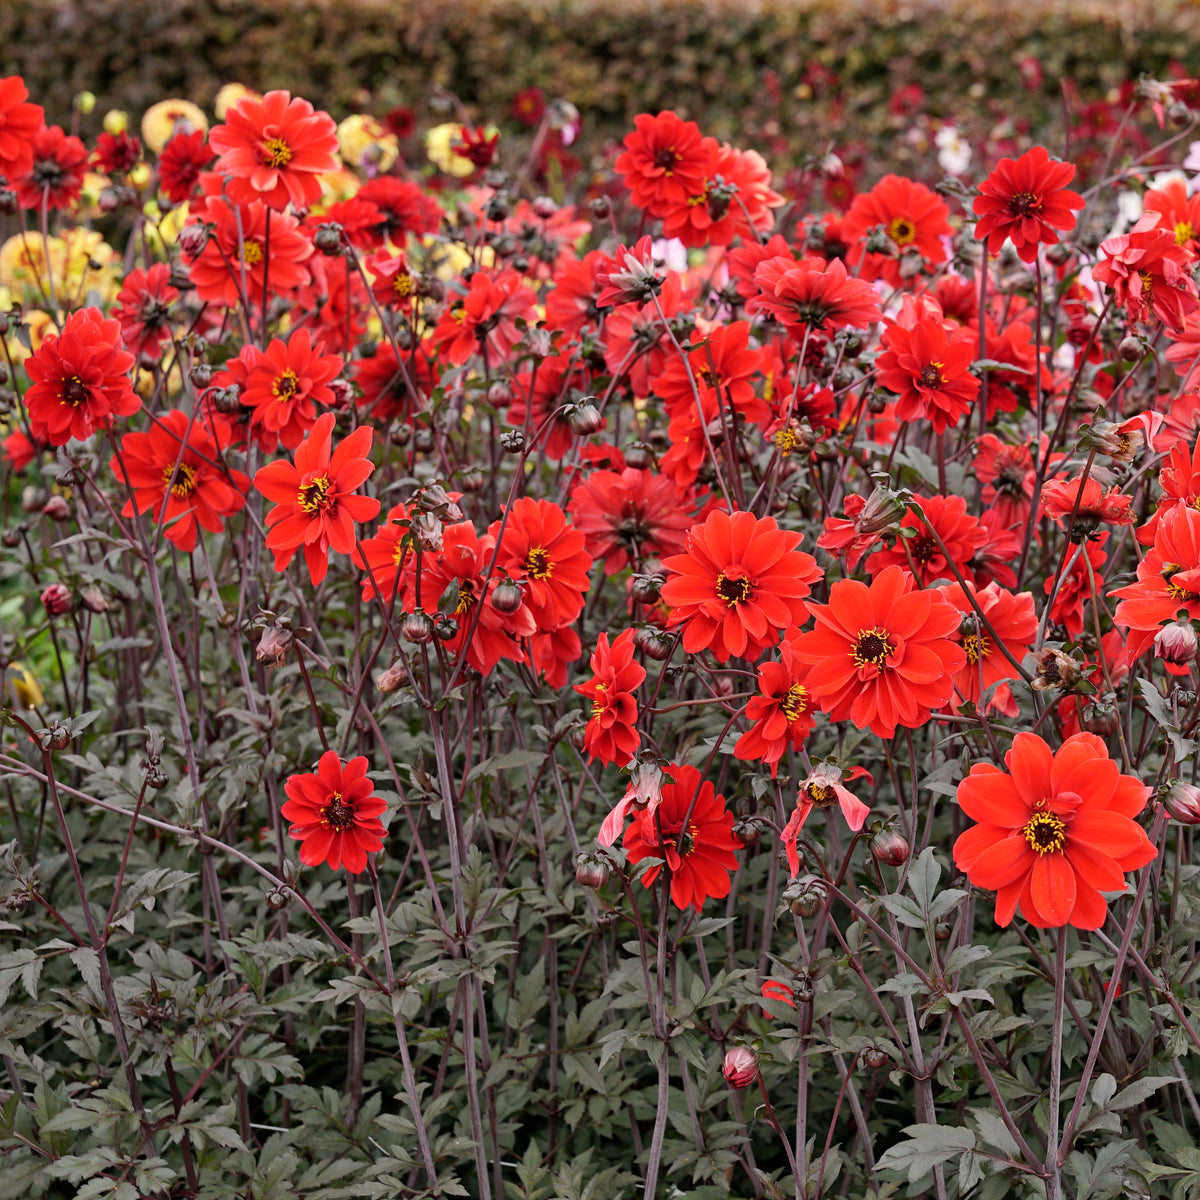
[
  {"x": 699, "y": 857},
  {"x": 633, "y": 276},
  {"x": 544, "y": 552},
  {"x": 630, "y": 516},
  {"x": 782, "y": 713},
  {"x": 1073, "y": 587},
  {"x": 929, "y": 372},
  {"x": 1087, "y": 500},
  {"x": 144, "y": 310},
  {"x": 1007, "y": 474},
  {"x": 275, "y": 150},
  {"x": 334, "y": 814},
  {"x": 822, "y": 789},
  {"x": 1149, "y": 273},
  {"x": 314, "y": 497},
  {"x": 913, "y": 219},
  {"x": 80, "y": 379},
  {"x": 663, "y": 163},
  {"x": 865, "y": 522},
  {"x": 285, "y": 385},
  {"x": 55, "y": 175},
  {"x": 740, "y": 584},
  {"x": 1054, "y": 831},
  {"x": 19, "y": 122},
  {"x": 1026, "y": 200},
  {"x": 611, "y": 734},
  {"x": 811, "y": 294},
  {"x": 885, "y": 655},
  {"x": 175, "y": 479}
]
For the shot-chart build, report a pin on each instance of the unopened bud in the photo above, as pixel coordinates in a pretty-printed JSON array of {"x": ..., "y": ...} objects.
[
  {"x": 329, "y": 238},
  {"x": 156, "y": 777},
  {"x": 874, "y": 1058},
  {"x": 507, "y": 596},
  {"x": 193, "y": 239},
  {"x": 227, "y": 400},
  {"x": 1100, "y": 716},
  {"x": 600, "y": 208},
  {"x": 57, "y": 509},
  {"x": 427, "y": 531},
  {"x": 277, "y": 898},
  {"x": 274, "y": 645},
  {"x": 423, "y": 440},
  {"x": 33, "y": 499},
  {"x": 416, "y": 627},
  {"x": 645, "y": 588},
  {"x": 445, "y": 627},
  {"x": 57, "y": 599},
  {"x": 1176, "y": 644},
  {"x": 653, "y": 643},
  {"x": 591, "y": 871},
  {"x": 93, "y": 599},
  {"x": 740, "y": 1067},
  {"x": 394, "y": 678},
  {"x": 512, "y": 441},
  {"x": 57, "y": 737},
  {"x": 890, "y": 848},
  {"x": 585, "y": 419},
  {"x": 1182, "y": 802},
  {"x": 201, "y": 375},
  {"x": 545, "y": 206},
  {"x": 1131, "y": 349},
  {"x": 637, "y": 456}
]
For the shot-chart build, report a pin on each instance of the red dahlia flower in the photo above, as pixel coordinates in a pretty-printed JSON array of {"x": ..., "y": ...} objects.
[
  {"x": 813, "y": 295},
  {"x": 664, "y": 162},
  {"x": 960, "y": 533},
  {"x": 739, "y": 585},
  {"x": 1026, "y": 200},
  {"x": 286, "y": 384},
  {"x": 782, "y": 714},
  {"x": 80, "y": 379},
  {"x": 144, "y": 310},
  {"x": 117, "y": 154},
  {"x": 1073, "y": 588},
  {"x": 315, "y": 505},
  {"x": 1087, "y": 499},
  {"x": 181, "y": 163},
  {"x": 610, "y": 734},
  {"x": 1180, "y": 212},
  {"x": 275, "y": 150},
  {"x": 886, "y": 655},
  {"x": 929, "y": 373},
  {"x": 484, "y": 320},
  {"x": 1008, "y": 474},
  {"x": 1054, "y": 832},
  {"x": 547, "y": 555},
  {"x": 630, "y": 516},
  {"x": 1012, "y": 620},
  {"x": 913, "y": 219},
  {"x": 735, "y": 200},
  {"x": 699, "y": 857},
  {"x": 19, "y": 122},
  {"x": 334, "y": 815},
  {"x": 404, "y": 208},
  {"x": 55, "y": 176},
  {"x": 384, "y": 382},
  {"x": 176, "y": 480},
  {"x": 1149, "y": 272}
]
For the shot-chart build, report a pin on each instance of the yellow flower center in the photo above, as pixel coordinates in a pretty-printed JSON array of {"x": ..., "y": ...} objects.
[
  {"x": 466, "y": 598},
  {"x": 1045, "y": 833},
  {"x": 74, "y": 392},
  {"x": 402, "y": 285},
  {"x": 734, "y": 590},
  {"x": 252, "y": 253},
  {"x": 538, "y": 565},
  {"x": 785, "y": 441},
  {"x": 337, "y": 815},
  {"x": 821, "y": 795},
  {"x": 872, "y": 648},
  {"x": 185, "y": 480},
  {"x": 276, "y": 152},
  {"x": 285, "y": 386},
  {"x": 1184, "y": 233},
  {"x": 902, "y": 231},
  {"x": 976, "y": 646},
  {"x": 795, "y": 701},
  {"x": 1147, "y": 282},
  {"x": 314, "y": 496}
]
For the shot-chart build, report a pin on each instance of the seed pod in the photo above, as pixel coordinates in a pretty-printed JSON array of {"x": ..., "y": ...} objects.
[
  {"x": 585, "y": 419},
  {"x": 512, "y": 441},
  {"x": 201, "y": 375},
  {"x": 591, "y": 871},
  {"x": 653, "y": 643},
  {"x": 645, "y": 588},
  {"x": 874, "y": 1058},
  {"x": 416, "y": 627},
  {"x": 507, "y": 596}
]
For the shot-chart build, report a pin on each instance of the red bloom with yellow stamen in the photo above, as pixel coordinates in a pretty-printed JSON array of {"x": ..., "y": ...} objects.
[
  {"x": 1149, "y": 274},
  {"x": 1026, "y": 200},
  {"x": 783, "y": 711},
  {"x": 913, "y": 219},
  {"x": 548, "y": 555},
  {"x": 286, "y": 384},
  {"x": 334, "y": 814},
  {"x": 315, "y": 505},
  {"x": 664, "y": 162},
  {"x": 700, "y": 857},
  {"x": 484, "y": 320},
  {"x": 812, "y": 295},
  {"x": 144, "y": 310},
  {"x": 1180, "y": 213},
  {"x": 1011, "y": 624},
  {"x": 1054, "y": 832},
  {"x": 611, "y": 734},
  {"x": 174, "y": 466},
  {"x": 921, "y": 552},
  {"x": 929, "y": 372},
  {"x": 80, "y": 380},
  {"x": 275, "y": 150},
  {"x": 885, "y": 655},
  {"x": 19, "y": 122},
  {"x": 740, "y": 584}
]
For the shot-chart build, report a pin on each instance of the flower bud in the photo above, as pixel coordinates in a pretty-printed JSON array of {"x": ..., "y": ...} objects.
[
  {"x": 193, "y": 239},
  {"x": 645, "y": 588},
  {"x": 591, "y": 871},
  {"x": 201, "y": 375},
  {"x": 85, "y": 102},
  {"x": 507, "y": 596},
  {"x": 1176, "y": 645},
  {"x": 227, "y": 400},
  {"x": 427, "y": 531},
  {"x": 394, "y": 678},
  {"x": 277, "y": 898},
  {"x": 57, "y": 737},
  {"x": 747, "y": 830},
  {"x": 890, "y": 848},
  {"x": 512, "y": 441},
  {"x": 545, "y": 207},
  {"x": 423, "y": 440},
  {"x": 57, "y": 509},
  {"x": 57, "y": 599},
  {"x": 653, "y": 643},
  {"x": 473, "y": 480},
  {"x": 600, "y": 208},
  {"x": 444, "y": 628},
  {"x": 343, "y": 393},
  {"x": 329, "y": 238},
  {"x": 740, "y": 1067},
  {"x": 1100, "y": 716},
  {"x": 1182, "y": 802},
  {"x": 33, "y": 498},
  {"x": 93, "y": 599},
  {"x": 874, "y": 1057},
  {"x": 585, "y": 419},
  {"x": 156, "y": 777},
  {"x": 637, "y": 456},
  {"x": 416, "y": 627},
  {"x": 273, "y": 645}
]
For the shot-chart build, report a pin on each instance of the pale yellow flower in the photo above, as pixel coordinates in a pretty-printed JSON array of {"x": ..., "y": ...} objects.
[
  {"x": 116, "y": 121},
  {"x": 364, "y": 142},
  {"x": 161, "y": 231},
  {"x": 161, "y": 119},
  {"x": 229, "y": 95},
  {"x": 21, "y": 686},
  {"x": 438, "y": 142}
]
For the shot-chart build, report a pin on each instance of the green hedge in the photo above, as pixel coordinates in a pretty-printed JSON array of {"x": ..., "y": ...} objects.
[{"x": 711, "y": 61}]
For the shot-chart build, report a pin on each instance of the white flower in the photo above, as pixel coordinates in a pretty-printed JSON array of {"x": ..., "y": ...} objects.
[{"x": 954, "y": 154}]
